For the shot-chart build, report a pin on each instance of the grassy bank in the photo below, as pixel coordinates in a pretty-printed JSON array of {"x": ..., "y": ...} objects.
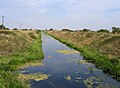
[
  {"x": 16, "y": 49},
  {"x": 99, "y": 48}
]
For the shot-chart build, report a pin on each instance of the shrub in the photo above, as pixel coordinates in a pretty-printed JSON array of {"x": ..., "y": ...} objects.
[
  {"x": 67, "y": 30},
  {"x": 115, "y": 30},
  {"x": 24, "y": 29},
  {"x": 15, "y": 29},
  {"x": 86, "y": 30},
  {"x": 2, "y": 27},
  {"x": 103, "y": 30},
  {"x": 51, "y": 29}
]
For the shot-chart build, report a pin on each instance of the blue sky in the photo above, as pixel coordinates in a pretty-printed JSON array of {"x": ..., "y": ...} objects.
[{"x": 58, "y": 14}]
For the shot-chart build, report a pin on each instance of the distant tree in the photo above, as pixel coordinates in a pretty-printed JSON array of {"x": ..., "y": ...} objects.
[
  {"x": 67, "y": 30},
  {"x": 103, "y": 30},
  {"x": 86, "y": 30},
  {"x": 115, "y": 30},
  {"x": 51, "y": 29},
  {"x": 15, "y": 29},
  {"x": 30, "y": 29},
  {"x": 2, "y": 27},
  {"x": 6, "y": 29},
  {"x": 24, "y": 29}
]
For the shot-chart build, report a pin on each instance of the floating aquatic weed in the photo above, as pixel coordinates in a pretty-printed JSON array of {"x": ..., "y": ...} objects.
[
  {"x": 49, "y": 56},
  {"x": 82, "y": 62},
  {"x": 67, "y": 51},
  {"x": 34, "y": 76},
  {"x": 106, "y": 86},
  {"x": 88, "y": 82},
  {"x": 68, "y": 77},
  {"x": 97, "y": 80}
]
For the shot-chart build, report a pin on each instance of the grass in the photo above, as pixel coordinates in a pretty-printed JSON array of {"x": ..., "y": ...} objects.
[
  {"x": 15, "y": 52},
  {"x": 99, "y": 48}
]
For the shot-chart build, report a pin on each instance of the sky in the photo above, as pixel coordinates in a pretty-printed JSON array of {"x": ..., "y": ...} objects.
[{"x": 59, "y": 14}]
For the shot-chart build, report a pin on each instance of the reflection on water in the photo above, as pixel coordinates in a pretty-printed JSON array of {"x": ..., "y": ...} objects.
[{"x": 67, "y": 70}]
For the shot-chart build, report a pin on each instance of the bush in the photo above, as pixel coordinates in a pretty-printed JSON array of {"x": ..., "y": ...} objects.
[
  {"x": 86, "y": 30},
  {"x": 103, "y": 30},
  {"x": 115, "y": 30},
  {"x": 67, "y": 30},
  {"x": 2, "y": 27},
  {"x": 6, "y": 29},
  {"x": 15, "y": 29},
  {"x": 51, "y": 29},
  {"x": 38, "y": 31},
  {"x": 24, "y": 29}
]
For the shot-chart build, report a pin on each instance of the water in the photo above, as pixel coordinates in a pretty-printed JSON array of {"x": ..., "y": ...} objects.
[{"x": 62, "y": 66}]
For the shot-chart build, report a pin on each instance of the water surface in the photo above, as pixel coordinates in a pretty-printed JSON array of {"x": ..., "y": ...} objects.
[{"x": 66, "y": 71}]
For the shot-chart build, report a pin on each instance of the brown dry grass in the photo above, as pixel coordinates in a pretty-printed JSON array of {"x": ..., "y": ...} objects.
[{"x": 13, "y": 41}]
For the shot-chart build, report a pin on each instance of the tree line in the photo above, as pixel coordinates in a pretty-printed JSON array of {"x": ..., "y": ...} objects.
[
  {"x": 2, "y": 27},
  {"x": 114, "y": 30}
]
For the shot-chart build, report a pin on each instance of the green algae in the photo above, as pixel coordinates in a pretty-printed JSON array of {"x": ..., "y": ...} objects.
[
  {"x": 67, "y": 51},
  {"x": 82, "y": 62},
  {"x": 49, "y": 56},
  {"x": 34, "y": 76},
  {"x": 89, "y": 82},
  {"x": 68, "y": 77}
]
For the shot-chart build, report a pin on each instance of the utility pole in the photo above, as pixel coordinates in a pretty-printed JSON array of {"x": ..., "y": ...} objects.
[
  {"x": 2, "y": 22},
  {"x": 20, "y": 26}
]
